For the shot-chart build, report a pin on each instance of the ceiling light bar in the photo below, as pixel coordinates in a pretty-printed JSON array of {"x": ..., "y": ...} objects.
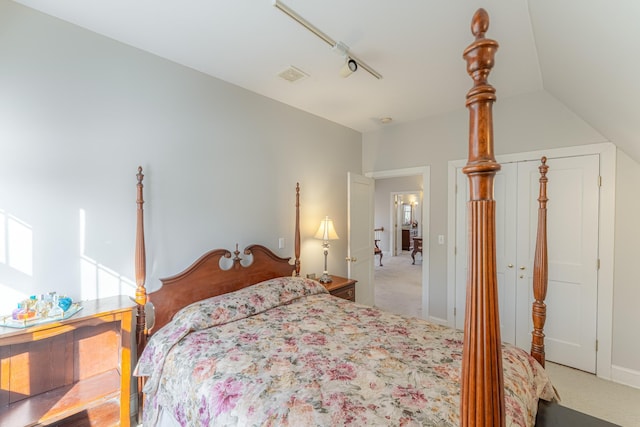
[{"x": 299, "y": 19}]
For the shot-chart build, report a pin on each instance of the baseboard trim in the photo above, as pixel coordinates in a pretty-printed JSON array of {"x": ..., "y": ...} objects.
[
  {"x": 625, "y": 376},
  {"x": 438, "y": 320}
]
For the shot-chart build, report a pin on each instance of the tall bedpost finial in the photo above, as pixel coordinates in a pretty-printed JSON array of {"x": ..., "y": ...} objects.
[
  {"x": 480, "y": 98},
  {"x": 541, "y": 270},
  {"x": 236, "y": 257},
  {"x": 480, "y": 23},
  {"x": 482, "y": 384}
]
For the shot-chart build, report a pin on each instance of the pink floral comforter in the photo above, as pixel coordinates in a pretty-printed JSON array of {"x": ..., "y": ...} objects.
[{"x": 286, "y": 353}]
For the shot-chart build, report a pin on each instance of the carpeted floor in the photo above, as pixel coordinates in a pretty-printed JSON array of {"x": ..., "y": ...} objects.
[
  {"x": 398, "y": 284},
  {"x": 600, "y": 398},
  {"x": 398, "y": 289}
]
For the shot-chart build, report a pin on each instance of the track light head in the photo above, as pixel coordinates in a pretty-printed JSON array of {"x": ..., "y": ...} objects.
[
  {"x": 338, "y": 47},
  {"x": 349, "y": 67}
]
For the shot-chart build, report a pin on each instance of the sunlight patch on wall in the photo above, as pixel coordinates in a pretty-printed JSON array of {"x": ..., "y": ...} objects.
[
  {"x": 16, "y": 243},
  {"x": 96, "y": 280},
  {"x": 3, "y": 238}
]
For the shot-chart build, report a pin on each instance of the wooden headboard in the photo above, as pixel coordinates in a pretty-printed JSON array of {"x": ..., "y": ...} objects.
[
  {"x": 206, "y": 278},
  {"x": 214, "y": 273}
]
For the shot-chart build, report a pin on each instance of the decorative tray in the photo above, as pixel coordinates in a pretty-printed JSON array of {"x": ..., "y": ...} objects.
[{"x": 27, "y": 323}]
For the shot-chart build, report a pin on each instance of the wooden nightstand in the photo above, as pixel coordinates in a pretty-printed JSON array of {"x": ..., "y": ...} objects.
[
  {"x": 74, "y": 369},
  {"x": 342, "y": 287}
]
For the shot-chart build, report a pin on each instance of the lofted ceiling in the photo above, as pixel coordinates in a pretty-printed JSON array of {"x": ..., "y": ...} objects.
[{"x": 582, "y": 52}]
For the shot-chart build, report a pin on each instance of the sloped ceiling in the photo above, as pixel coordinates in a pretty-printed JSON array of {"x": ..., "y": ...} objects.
[
  {"x": 588, "y": 56},
  {"x": 582, "y": 52}
]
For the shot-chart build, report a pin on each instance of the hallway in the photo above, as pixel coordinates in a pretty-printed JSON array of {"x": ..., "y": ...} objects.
[{"x": 398, "y": 284}]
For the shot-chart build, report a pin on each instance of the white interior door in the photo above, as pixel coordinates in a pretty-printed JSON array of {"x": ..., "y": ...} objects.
[{"x": 360, "y": 194}]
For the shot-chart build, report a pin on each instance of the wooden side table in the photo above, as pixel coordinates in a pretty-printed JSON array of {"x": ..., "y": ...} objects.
[
  {"x": 78, "y": 368},
  {"x": 342, "y": 287}
]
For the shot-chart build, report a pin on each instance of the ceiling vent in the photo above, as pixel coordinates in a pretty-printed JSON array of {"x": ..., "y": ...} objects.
[{"x": 293, "y": 74}]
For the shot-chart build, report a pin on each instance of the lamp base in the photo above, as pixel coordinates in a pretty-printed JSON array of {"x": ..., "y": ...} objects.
[{"x": 325, "y": 278}]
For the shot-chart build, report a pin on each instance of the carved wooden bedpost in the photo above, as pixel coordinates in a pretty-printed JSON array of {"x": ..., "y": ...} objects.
[
  {"x": 140, "y": 267},
  {"x": 297, "y": 231},
  {"x": 482, "y": 385},
  {"x": 141, "y": 292},
  {"x": 541, "y": 270}
]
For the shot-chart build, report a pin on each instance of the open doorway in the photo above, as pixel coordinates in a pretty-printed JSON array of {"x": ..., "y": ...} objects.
[{"x": 401, "y": 208}]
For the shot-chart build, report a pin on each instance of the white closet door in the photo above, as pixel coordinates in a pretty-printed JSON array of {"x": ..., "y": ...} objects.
[
  {"x": 506, "y": 228},
  {"x": 573, "y": 249},
  {"x": 504, "y": 190},
  {"x": 572, "y": 229}
]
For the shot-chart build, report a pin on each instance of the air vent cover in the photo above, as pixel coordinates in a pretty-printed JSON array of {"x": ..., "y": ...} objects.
[{"x": 293, "y": 74}]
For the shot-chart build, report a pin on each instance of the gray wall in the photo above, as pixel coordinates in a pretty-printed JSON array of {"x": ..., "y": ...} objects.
[
  {"x": 626, "y": 316},
  {"x": 79, "y": 112}
]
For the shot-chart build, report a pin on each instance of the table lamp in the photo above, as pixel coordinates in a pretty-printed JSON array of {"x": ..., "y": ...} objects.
[{"x": 326, "y": 232}]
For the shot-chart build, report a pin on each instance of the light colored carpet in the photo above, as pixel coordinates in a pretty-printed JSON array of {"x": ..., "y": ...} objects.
[
  {"x": 398, "y": 284},
  {"x": 398, "y": 289},
  {"x": 591, "y": 395}
]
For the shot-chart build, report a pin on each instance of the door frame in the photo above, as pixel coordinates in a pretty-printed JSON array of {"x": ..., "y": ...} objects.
[
  {"x": 425, "y": 171},
  {"x": 606, "y": 235}
]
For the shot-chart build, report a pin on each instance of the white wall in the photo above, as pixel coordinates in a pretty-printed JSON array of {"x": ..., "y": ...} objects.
[
  {"x": 78, "y": 114},
  {"x": 626, "y": 296}
]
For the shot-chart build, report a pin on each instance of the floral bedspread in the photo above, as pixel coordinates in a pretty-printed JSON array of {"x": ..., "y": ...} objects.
[{"x": 286, "y": 353}]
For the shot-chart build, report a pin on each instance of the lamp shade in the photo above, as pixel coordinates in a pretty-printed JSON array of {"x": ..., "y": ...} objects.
[{"x": 326, "y": 230}]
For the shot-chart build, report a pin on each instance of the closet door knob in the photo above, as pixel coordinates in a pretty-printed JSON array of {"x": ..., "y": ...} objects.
[
  {"x": 510, "y": 265},
  {"x": 522, "y": 267}
]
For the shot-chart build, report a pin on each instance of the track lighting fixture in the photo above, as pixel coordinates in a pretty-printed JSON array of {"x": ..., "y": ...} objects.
[
  {"x": 349, "y": 67},
  {"x": 352, "y": 63}
]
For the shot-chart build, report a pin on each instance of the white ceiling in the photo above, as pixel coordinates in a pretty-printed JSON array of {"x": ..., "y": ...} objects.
[{"x": 583, "y": 52}]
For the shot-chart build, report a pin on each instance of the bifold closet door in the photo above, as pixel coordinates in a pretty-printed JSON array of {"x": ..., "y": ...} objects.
[
  {"x": 573, "y": 246},
  {"x": 505, "y": 189}
]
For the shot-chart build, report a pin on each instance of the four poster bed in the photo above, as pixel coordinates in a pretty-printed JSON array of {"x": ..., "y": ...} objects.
[{"x": 258, "y": 345}]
